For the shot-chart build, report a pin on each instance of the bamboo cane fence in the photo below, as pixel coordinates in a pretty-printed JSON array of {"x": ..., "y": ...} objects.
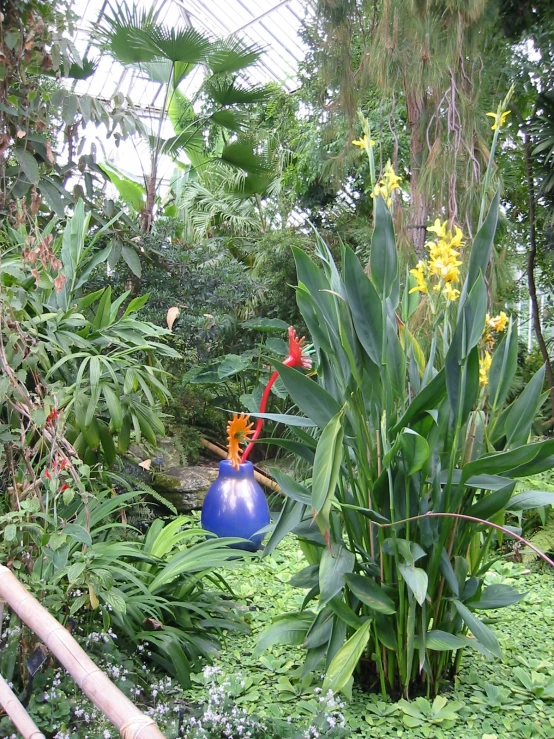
[{"x": 118, "y": 709}]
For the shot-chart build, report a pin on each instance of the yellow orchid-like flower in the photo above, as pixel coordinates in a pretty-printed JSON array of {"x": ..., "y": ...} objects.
[
  {"x": 499, "y": 119},
  {"x": 387, "y": 184},
  {"x": 497, "y": 323},
  {"x": 364, "y": 143},
  {"x": 438, "y": 228},
  {"x": 484, "y": 367},
  {"x": 450, "y": 293},
  {"x": 419, "y": 273}
]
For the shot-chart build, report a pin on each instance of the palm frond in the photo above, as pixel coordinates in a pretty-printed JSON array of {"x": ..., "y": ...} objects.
[
  {"x": 226, "y": 92},
  {"x": 134, "y": 36},
  {"x": 233, "y": 55}
]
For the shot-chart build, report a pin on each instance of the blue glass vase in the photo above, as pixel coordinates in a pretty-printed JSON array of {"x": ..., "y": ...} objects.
[{"x": 235, "y": 505}]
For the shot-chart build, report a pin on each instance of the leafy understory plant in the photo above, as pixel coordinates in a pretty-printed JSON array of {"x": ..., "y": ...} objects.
[
  {"x": 421, "y": 712},
  {"x": 412, "y": 456}
]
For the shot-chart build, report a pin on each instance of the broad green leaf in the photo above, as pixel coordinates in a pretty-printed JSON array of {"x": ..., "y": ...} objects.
[
  {"x": 523, "y": 461},
  {"x": 28, "y": 164},
  {"x": 497, "y": 595},
  {"x": 524, "y": 410},
  {"x": 290, "y": 628},
  {"x": 291, "y": 488},
  {"x": 365, "y": 306},
  {"x": 231, "y": 365},
  {"x": 415, "y": 449},
  {"x": 481, "y": 250},
  {"x": 416, "y": 579},
  {"x": 131, "y": 259},
  {"x": 311, "y": 398},
  {"x": 328, "y": 457},
  {"x": 335, "y": 563},
  {"x": 291, "y": 515},
  {"x": 481, "y": 632},
  {"x": 288, "y": 420},
  {"x": 442, "y": 641},
  {"x": 490, "y": 504},
  {"x": 77, "y": 533},
  {"x": 530, "y": 499},
  {"x": 366, "y": 590},
  {"x": 346, "y": 659},
  {"x": 383, "y": 259},
  {"x": 427, "y": 399},
  {"x": 503, "y": 367},
  {"x": 320, "y": 631}
]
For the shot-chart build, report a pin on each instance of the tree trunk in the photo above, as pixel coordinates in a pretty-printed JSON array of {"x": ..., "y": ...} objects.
[
  {"x": 415, "y": 104},
  {"x": 147, "y": 215},
  {"x": 531, "y": 259}
]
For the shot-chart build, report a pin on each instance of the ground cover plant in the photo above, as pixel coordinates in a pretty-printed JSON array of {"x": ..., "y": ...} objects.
[{"x": 504, "y": 698}]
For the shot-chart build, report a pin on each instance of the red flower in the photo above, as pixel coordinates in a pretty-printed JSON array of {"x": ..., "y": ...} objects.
[
  {"x": 297, "y": 357},
  {"x": 47, "y": 474},
  {"x": 52, "y": 417},
  {"x": 65, "y": 486}
]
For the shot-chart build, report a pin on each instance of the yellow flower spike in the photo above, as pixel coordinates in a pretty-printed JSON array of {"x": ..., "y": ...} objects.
[
  {"x": 450, "y": 293},
  {"x": 438, "y": 228},
  {"x": 364, "y": 143},
  {"x": 419, "y": 274},
  {"x": 499, "y": 119},
  {"x": 497, "y": 323},
  {"x": 484, "y": 367}
]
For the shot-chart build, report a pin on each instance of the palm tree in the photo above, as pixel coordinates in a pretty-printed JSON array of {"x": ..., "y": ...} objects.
[{"x": 169, "y": 55}]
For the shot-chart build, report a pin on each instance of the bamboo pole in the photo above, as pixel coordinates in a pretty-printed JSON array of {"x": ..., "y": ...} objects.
[
  {"x": 18, "y": 715},
  {"x": 262, "y": 479},
  {"x": 123, "y": 714}
]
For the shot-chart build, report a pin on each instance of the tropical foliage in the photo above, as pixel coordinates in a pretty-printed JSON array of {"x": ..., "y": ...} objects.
[{"x": 411, "y": 467}]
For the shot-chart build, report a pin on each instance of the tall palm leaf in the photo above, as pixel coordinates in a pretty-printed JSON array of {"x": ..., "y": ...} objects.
[{"x": 168, "y": 55}]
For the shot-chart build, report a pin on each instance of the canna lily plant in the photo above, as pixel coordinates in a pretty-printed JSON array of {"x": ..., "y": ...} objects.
[{"x": 412, "y": 458}]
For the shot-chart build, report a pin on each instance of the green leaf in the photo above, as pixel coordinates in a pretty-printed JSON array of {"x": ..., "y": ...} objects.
[
  {"x": 524, "y": 410},
  {"x": 497, "y": 595},
  {"x": 288, "y": 420},
  {"x": 328, "y": 457},
  {"x": 28, "y": 164},
  {"x": 265, "y": 325},
  {"x": 442, "y": 641},
  {"x": 291, "y": 515},
  {"x": 290, "y": 628},
  {"x": 416, "y": 579},
  {"x": 365, "y": 306},
  {"x": 366, "y": 590},
  {"x": 77, "y": 533},
  {"x": 334, "y": 565},
  {"x": 311, "y": 398},
  {"x": 291, "y": 488},
  {"x": 489, "y": 505},
  {"x": 131, "y": 259},
  {"x": 481, "y": 632},
  {"x": 415, "y": 448},
  {"x": 231, "y": 365},
  {"x": 114, "y": 407},
  {"x": 530, "y": 499},
  {"x": 481, "y": 250},
  {"x": 427, "y": 399},
  {"x": 132, "y": 193},
  {"x": 383, "y": 259},
  {"x": 503, "y": 367},
  {"x": 346, "y": 659}
]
